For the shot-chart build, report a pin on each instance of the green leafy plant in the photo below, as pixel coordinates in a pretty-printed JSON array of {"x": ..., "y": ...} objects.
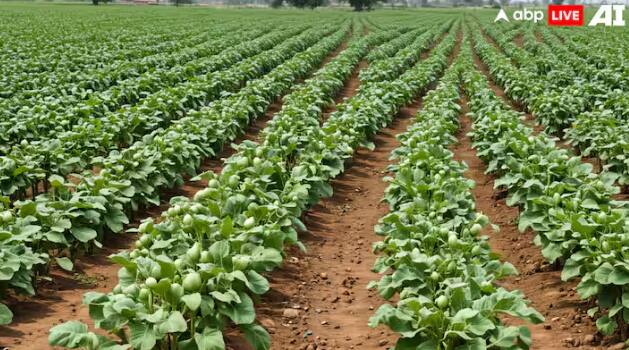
[
  {"x": 569, "y": 206},
  {"x": 236, "y": 228},
  {"x": 443, "y": 271}
]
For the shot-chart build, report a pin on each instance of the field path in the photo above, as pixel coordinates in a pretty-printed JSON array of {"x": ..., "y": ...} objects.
[{"x": 319, "y": 299}]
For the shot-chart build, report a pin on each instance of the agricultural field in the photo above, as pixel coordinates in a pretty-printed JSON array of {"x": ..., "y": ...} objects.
[{"x": 211, "y": 178}]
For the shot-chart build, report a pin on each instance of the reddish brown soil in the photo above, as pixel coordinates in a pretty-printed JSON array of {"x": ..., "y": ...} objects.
[
  {"x": 624, "y": 196},
  {"x": 289, "y": 284},
  {"x": 348, "y": 90},
  {"x": 519, "y": 40},
  {"x": 566, "y": 324},
  {"x": 337, "y": 51},
  {"x": 457, "y": 47},
  {"x": 61, "y": 299},
  {"x": 327, "y": 285}
]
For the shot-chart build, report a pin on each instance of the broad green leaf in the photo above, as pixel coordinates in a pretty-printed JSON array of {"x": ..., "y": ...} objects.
[
  {"x": 226, "y": 297},
  {"x": 619, "y": 276},
  {"x": 142, "y": 336},
  {"x": 474, "y": 344},
  {"x": 192, "y": 301},
  {"x": 242, "y": 312},
  {"x": 115, "y": 220},
  {"x": 29, "y": 230},
  {"x": 265, "y": 259},
  {"x": 528, "y": 219},
  {"x": 587, "y": 288},
  {"x": 210, "y": 339},
  {"x": 552, "y": 251},
  {"x": 256, "y": 336},
  {"x": 625, "y": 299},
  {"x": 606, "y": 325},
  {"x": 65, "y": 263},
  {"x": 83, "y": 234},
  {"x": 257, "y": 283},
  {"x": 479, "y": 325},
  {"x": 174, "y": 324},
  {"x": 582, "y": 226},
  {"x": 571, "y": 269},
  {"x": 464, "y": 314},
  {"x": 602, "y": 273},
  {"x": 6, "y": 316},
  {"x": 219, "y": 251},
  {"x": 227, "y": 228},
  {"x": 56, "y": 181},
  {"x": 69, "y": 334}
]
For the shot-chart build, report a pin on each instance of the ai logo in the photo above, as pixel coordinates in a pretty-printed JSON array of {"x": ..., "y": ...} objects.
[{"x": 609, "y": 15}]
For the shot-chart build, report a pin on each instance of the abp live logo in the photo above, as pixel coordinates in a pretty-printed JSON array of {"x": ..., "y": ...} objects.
[{"x": 569, "y": 15}]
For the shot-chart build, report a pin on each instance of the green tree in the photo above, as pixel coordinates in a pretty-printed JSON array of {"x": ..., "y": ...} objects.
[
  {"x": 362, "y": 5},
  {"x": 306, "y": 3},
  {"x": 181, "y": 2},
  {"x": 277, "y": 3}
]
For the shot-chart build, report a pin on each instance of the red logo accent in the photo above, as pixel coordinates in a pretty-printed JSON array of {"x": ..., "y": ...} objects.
[{"x": 565, "y": 15}]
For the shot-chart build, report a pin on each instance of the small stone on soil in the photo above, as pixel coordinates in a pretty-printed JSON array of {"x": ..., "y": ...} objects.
[
  {"x": 588, "y": 339},
  {"x": 290, "y": 313}
]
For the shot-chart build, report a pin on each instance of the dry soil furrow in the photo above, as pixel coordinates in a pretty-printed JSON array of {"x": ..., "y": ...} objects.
[
  {"x": 348, "y": 90},
  {"x": 519, "y": 40},
  {"x": 319, "y": 298}
]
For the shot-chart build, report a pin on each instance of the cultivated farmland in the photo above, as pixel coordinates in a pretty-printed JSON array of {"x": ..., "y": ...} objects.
[{"x": 211, "y": 178}]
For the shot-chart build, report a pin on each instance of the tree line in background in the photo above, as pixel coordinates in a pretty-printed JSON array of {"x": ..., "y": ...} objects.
[
  {"x": 366, "y": 5},
  {"x": 358, "y": 5}
]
